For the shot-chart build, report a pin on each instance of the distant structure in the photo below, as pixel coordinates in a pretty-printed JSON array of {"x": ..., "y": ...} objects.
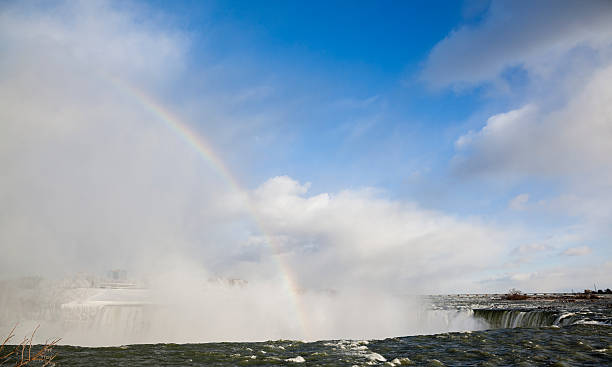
[
  {"x": 117, "y": 275},
  {"x": 231, "y": 282},
  {"x": 116, "y": 278}
]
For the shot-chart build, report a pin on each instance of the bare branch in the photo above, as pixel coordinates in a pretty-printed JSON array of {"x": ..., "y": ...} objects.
[{"x": 44, "y": 355}]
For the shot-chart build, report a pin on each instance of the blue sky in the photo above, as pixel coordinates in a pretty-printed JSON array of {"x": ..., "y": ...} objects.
[
  {"x": 470, "y": 129},
  {"x": 351, "y": 74}
]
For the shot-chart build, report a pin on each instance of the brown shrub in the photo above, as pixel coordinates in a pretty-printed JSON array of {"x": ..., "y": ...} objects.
[
  {"x": 22, "y": 353},
  {"x": 515, "y": 295}
]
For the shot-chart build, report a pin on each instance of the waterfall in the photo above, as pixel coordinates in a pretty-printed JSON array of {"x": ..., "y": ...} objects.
[
  {"x": 122, "y": 319},
  {"x": 440, "y": 321},
  {"x": 497, "y": 318},
  {"x": 106, "y": 323}
]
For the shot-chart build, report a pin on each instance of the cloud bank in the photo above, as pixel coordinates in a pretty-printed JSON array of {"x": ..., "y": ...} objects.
[
  {"x": 358, "y": 238},
  {"x": 552, "y": 61}
]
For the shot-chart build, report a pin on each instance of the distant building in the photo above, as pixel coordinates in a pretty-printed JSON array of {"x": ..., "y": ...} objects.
[
  {"x": 116, "y": 278},
  {"x": 117, "y": 275}
]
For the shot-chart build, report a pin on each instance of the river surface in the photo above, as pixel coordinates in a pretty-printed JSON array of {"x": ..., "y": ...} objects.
[{"x": 543, "y": 331}]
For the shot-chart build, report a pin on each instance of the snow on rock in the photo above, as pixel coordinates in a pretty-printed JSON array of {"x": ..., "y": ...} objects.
[
  {"x": 399, "y": 361},
  {"x": 376, "y": 357},
  {"x": 298, "y": 359}
]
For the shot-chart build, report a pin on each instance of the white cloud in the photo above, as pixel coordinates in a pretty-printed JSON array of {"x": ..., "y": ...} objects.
[
  {"x": 92, "y": 179},
  {"x": 568, "y": 144},
  {"x": 519, "y": 202},
  {"x": 571, "y": 139},
  {"x": 555, "y": 278},
  {"x": 357, "y": 238},
  {"x": 560, "y": 133},
  {"x": 531, "y": 248},
  {"x": 525, "y": 254},
  {"x": 527, "y": 34},
  {"x": 577, "y": 251},
  {"x": 561, "y": 130},
  {"x": 124, "y": 40}
]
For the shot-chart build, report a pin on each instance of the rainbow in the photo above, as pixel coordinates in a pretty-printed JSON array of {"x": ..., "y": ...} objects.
[{"x": 203, "y": 149}]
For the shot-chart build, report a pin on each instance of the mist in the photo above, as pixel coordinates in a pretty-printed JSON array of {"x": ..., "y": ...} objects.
[
  {"x": 190, "y": 310},
  {"x": 94, "y": 181}
]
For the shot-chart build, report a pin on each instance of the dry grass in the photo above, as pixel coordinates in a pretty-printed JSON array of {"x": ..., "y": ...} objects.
[
  {"x": 586, "y": 296},
  {"x": 22, "y": 353},
  {"x": 516, "y": 297}
]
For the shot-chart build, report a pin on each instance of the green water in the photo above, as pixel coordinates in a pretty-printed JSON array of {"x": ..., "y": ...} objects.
[{"x": 578, "y": 345}]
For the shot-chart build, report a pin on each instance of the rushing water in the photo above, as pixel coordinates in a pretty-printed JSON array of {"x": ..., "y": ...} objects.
[
  {"x": 584, "y": 345},
  {"x": 552, "y": 331},
  {"x": 538, "y": 311}
]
